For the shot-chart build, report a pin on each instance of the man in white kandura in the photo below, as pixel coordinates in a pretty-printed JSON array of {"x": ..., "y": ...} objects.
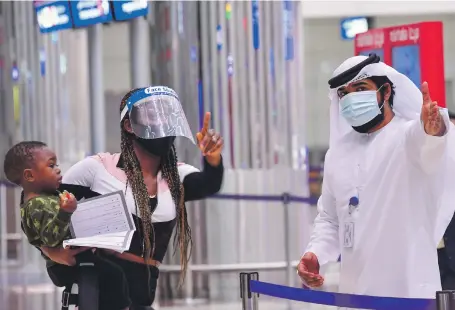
[{"x": 388, "y": 194}]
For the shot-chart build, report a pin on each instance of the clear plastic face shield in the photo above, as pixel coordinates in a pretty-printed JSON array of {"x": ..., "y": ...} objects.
[{"x": 156, "y": 112}]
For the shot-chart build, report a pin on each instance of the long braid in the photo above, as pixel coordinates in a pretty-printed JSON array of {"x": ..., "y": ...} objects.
[
  {"x": 135, "y": 179},
  {"x": 170, "y": 173},
  {"x": 141, "y": 197},
  {"x": 182, "y": 236}
]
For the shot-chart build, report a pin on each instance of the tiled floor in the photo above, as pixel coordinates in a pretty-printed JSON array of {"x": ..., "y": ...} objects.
[{"x": 31, "y": 290}]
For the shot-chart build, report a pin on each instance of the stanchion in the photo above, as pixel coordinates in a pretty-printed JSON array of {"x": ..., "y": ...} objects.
[
  {"x": 255, "y": 296},
  {"x": 290, "y": 273},
  {"x": 445, "y": 300},
  {"x": 249, "y": 300}
]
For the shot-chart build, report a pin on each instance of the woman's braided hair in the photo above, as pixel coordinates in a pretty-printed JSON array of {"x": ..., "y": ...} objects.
[{"x": 170, "y": 173}]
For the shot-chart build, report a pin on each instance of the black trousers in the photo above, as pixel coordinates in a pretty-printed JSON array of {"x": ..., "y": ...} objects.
[
  {"x": 113, "y": 286},
  {"x": 142, "y": 281},
  {"x": 446, "y": 272}
]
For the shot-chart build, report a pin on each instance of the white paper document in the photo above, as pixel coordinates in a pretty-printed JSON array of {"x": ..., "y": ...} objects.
[{"x": 102, "y": 222}]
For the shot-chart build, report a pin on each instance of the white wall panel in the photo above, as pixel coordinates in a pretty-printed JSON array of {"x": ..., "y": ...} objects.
[
  {"x": 116, "y": 57},
  {"x": 340, "y": 8}
]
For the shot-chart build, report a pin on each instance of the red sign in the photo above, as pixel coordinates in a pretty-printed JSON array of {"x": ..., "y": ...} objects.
[{"x": 416, "y": 50}]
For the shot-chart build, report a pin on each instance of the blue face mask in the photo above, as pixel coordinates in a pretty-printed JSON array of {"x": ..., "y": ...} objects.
[{"x": 359, "y": 108}]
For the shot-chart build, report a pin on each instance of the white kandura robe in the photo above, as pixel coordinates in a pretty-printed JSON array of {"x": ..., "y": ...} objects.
[{"x": 405, "y": 181}]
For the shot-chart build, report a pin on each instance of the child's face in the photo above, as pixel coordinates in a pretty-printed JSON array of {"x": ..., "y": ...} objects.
[{"x": 45, "y": 174}]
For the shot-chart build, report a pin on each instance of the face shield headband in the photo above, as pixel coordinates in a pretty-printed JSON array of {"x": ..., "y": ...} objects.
[{"x": 156, "y": 112}]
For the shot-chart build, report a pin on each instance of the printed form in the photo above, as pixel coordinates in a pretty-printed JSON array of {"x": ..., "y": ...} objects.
[{"x": 102, "y": 222}]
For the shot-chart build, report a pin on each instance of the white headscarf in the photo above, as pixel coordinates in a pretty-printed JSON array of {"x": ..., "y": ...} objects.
[{"x": 407, "y": 102}]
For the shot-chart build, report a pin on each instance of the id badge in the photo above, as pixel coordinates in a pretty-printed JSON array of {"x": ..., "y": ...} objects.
[{"x": 348, "y": 235}]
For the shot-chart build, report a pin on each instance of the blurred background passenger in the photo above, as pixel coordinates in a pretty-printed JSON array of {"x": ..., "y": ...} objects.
[{"x": 446, "y": 249}]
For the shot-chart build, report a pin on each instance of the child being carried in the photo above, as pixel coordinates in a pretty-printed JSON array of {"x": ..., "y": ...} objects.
[{"x": 46, "y": 216}]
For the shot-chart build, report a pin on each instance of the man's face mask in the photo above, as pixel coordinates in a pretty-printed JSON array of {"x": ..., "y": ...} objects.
[{"x": 361, "y": 110}]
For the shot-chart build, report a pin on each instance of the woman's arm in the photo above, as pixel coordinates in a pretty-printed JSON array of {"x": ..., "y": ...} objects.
[
  {"x": 63, "y": 256},
  {"x": 201, "y": 184},
  {"x": 82, "y": 173}
]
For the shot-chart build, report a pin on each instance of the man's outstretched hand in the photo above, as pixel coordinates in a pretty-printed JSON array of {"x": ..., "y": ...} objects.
[
  {"x": 433, "y": 123},
  {"x": 308, "y": 270}
]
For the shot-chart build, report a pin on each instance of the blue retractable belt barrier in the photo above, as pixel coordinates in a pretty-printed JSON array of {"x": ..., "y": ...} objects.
[
  {"x": 286, "y": 198},
  {"x": 341, "y": 300}
]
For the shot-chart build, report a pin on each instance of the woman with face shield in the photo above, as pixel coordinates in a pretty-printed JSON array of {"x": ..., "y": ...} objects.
[{"x": 156, "y": 186}]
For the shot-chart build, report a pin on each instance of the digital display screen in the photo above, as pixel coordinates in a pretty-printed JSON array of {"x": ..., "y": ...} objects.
[
  {"x": 406, "y": 60},
  {"x": 53, "y": 15},
  {"x": 350, "y": 27},
  {"x": 87, "y": 13},
  {"x": 378, "y": 51},
  {"x": 128, "y": 9}
]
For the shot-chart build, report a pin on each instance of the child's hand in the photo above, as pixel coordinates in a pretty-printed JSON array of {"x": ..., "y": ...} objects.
[{"x": 68, "y": 202}]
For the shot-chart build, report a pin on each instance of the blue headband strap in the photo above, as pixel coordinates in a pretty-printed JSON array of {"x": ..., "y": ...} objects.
[{"x": 147, "y": 92}]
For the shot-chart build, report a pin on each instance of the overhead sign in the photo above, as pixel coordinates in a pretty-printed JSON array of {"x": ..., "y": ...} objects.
[
  {"x": 53, "y": 16},
  {"x": 288, "y": 27},
  {"x": 255, "y": 20},
  {"x": 90, "y": 12},
  {"x": 42, "y": 61},
  {"x": 128, "y": 9},
  {"x": 350, "y": 27},
  {"x": 219, "y": 38},
  {"x": 15, "y": 73}
]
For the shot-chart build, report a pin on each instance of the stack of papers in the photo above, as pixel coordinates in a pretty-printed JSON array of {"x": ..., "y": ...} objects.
[{"x": 102, "y": 222}]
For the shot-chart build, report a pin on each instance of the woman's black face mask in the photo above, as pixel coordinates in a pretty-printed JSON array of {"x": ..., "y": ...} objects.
[{"x": 158, "y": 147}]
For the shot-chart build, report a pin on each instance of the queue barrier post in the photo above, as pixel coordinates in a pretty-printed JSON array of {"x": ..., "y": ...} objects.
[
  {"x": 288, "y": 246},
  {"x": 255, "y": 296},
  {"x": 249, "y": 299},
  {"x": 445, "y": 300},
  {"x": 290, "y": 272}
]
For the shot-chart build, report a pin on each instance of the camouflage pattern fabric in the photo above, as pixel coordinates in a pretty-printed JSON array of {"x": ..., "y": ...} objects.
[{"x": 44, "y": 223}]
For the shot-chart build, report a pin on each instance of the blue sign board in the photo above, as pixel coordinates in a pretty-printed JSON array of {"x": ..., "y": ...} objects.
[
  {"x": 193, "y": 53},
  {"x": 255, "y": 19},
  {"x": 42, "y": 62},
  {"x": 406, "y": 60},
  {"x": 90, "y": 12},
  {"x": 351, "y": 26},
  {"x": 288, "y": 26},
  {"x": 219, "y": 38},
  {"x": 53, "y": 16},
  {"x": 15, "y": 73},
  {"x": 127, "y": 9}
]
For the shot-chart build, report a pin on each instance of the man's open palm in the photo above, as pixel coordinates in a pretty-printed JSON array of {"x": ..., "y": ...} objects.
[{"x": 430, "y": 116}]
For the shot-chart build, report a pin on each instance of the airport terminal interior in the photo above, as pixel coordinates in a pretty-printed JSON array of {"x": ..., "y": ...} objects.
[{"x": 260, "y": 67}]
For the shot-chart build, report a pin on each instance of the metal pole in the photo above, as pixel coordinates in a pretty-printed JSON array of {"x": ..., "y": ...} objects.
[
  {"x": 261, "y": 76},
  {"x": 443, "y": 300},
  {"x": 97, "y": 107},
  {"x": 8, "y": 52},
  {"x": 3, "y": 231},
  {"x": 249, "y": 299},
  {"x": 245, "y": 293},
  {"x": 252, "y": 92},
  {"x": 255, "y": 296},
  {"x": 268, "y": 118},
  {"x": 287, "y": 240},
  {"x": 287, "y": 243},
  {"x": 140, "y": 52}
]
